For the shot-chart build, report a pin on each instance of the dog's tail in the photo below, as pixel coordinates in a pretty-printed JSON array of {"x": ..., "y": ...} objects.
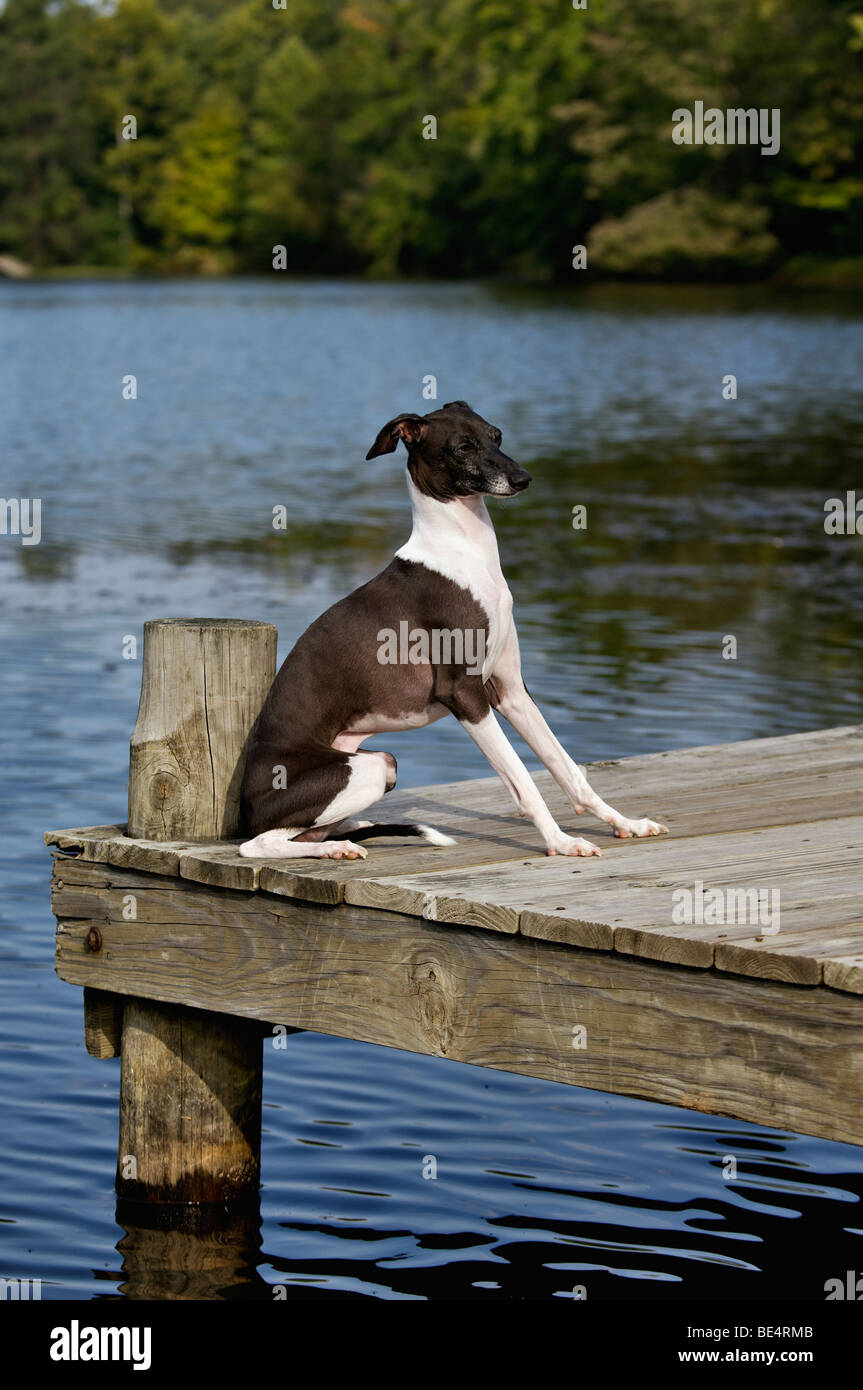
[{"x": 419, "y": 832}]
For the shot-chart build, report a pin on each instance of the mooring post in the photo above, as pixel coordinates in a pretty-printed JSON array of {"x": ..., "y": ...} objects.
[
  {"x": 190, "y": 1084},
  {"x": 203, "y": 683}
]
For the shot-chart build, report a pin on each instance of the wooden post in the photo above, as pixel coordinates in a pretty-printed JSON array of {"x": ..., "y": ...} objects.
[
  {"x": 190, "y": 1081},
  {"x": 190, "y": 1104},
  {"x": 103, "y": 1023},
  {"x": 203, "y": 683}
]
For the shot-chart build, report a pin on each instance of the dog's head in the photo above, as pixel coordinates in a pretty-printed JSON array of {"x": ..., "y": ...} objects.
[{"x": 452, "y": 452}]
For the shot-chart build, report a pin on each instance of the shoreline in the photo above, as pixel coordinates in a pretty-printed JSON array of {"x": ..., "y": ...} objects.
[{"x": 802, "y": 272}]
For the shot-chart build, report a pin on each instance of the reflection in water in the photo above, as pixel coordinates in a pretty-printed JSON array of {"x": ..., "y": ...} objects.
[
  {"x": 705, "y": 517},
  {"x": 190, "y": 1252}
]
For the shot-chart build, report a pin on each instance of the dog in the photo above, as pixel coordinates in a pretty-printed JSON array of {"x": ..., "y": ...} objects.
[{"x": 305, "y": 778}]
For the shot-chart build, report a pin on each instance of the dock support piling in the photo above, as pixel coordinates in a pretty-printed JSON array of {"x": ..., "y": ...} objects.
[
  {"x": 103, "y": 1023},
  {"x": 190, "y": 1104}
]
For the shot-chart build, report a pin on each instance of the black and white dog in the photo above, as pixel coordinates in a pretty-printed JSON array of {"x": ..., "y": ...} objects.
[{"x": 305, "y": 778}]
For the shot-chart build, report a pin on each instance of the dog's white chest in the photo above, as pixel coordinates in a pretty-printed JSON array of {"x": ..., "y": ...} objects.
[
  {"x": 480, "y": 575},
  {"x": 496, "y": 599}
]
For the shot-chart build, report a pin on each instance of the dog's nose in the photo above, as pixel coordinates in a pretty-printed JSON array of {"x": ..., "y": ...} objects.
[{"x": 520, "y": 480}]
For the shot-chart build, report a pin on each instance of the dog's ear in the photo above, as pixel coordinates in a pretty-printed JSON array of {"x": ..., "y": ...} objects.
[
  {"x": 457, "y": 405},
  {"x": 410, "y": 428}
]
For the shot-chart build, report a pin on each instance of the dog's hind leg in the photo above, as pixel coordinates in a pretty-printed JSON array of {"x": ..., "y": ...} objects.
[
  {"x": 288, "y": 844},
  {"x": 294, "y": 821}
]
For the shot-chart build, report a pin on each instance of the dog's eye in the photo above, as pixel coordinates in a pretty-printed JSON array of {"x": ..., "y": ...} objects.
[{"x": 466, "y": 446}]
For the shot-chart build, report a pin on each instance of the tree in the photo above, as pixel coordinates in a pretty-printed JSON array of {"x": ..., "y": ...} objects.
[{"x": 196, "y": 206}]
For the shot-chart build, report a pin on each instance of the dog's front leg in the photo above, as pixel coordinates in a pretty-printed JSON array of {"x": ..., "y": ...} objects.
[
  {"x": 493, "y": 742},
  {"x": 507, "y": 692},
  {"x": 519, "y": 710}
]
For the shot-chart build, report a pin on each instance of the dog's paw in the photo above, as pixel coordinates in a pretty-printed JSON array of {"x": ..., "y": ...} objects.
[
  {"x": 625, "y": 829},
  {"x": 341, "y": 849},
  {"x": 569, "y": 844}
]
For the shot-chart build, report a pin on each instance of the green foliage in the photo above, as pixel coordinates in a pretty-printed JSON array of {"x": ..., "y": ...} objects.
[
  {"x": 687, "y": 233},
  {"x": 303, "y": 127},
  {"x": 198, "y": 192}
]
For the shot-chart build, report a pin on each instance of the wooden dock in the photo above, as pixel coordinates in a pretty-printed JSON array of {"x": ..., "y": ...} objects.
[{"x": 618, "y": 974}]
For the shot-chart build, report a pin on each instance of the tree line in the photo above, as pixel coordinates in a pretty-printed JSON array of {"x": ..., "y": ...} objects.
[{"x": 305, "y": 124}]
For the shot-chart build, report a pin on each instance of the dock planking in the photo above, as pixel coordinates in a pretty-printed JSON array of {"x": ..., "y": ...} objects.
[
  {"x": 783, "y": 814},
  {"x": 489, "y": 952}
]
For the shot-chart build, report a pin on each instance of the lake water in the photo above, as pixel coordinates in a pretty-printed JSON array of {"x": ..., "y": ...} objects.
[{"x": 705, "y": 518}]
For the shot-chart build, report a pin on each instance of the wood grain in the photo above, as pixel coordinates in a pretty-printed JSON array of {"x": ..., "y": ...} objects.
[
  {"x": 103, "y": 1023},
  {"x": 203, "y": 683},
  {"x": 190, "y": 1105},
  {"x": 781, "y": 814},
  {"x": 770, "y": 1053}
]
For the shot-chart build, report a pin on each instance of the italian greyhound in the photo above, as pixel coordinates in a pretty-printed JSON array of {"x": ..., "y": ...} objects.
[{"x": 305, "y": 779}]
